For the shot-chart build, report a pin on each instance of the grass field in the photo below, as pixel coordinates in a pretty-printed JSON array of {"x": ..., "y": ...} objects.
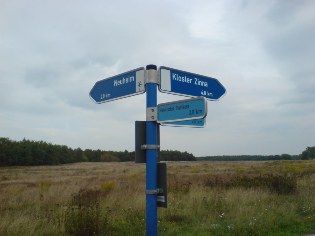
[{"x": 204, "y": 198}]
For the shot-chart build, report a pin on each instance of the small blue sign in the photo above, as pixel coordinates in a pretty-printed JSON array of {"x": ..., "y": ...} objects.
[
  {"x": 200, "y": 123},
  {"x": 188, "y": 109},
  {"x": 120, "y": 86},
  {"x": 185, "y": 83}
]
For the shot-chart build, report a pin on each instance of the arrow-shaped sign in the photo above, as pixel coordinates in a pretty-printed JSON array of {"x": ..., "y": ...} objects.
[
  {"x": 188, "y": 84},
  {"x": 120, "y": 86},
  {"x": 188, "y": 109}
]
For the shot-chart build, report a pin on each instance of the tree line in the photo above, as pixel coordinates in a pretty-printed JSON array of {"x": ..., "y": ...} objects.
[
  {"x": 27, "y": 153},
  {"x": 307, "y": 154},
  {"x": 249, "y": 158}
]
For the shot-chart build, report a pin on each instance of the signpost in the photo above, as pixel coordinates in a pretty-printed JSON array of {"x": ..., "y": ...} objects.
[
  {"x": 188, "y": 84},
  {"x": 120, "y": 86},
  {"x": 188, "y": 109},
  {"x": 152, "y": 152},
  {"x": 189, "y": 112}
]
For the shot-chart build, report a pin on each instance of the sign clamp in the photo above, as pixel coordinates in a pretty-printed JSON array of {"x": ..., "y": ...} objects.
[
  {"x": 154, "y": 191},
  {"x": 151, "y": 114},
  {"x": 149, "y": 146},
  {"x": 152, "y": 76}
]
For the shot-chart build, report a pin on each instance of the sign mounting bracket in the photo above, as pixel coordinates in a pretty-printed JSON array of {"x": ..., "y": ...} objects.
[
  {"x": 149, "y": 146},
  {"x": 152, "y": 76},
  {"x": 151, "y": 114},
  {"x": 154, "y": 191}
]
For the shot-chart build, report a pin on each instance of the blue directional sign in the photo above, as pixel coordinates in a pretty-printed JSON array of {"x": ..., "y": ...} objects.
[
  {"x": 120, "y": 86},
  {"x": 188, "y": 84},
  {"x": 200, "y": 123},
  {"x": 188, "y": 109}
]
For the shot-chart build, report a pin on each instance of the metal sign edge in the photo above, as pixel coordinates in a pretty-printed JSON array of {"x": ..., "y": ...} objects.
[{"x": 188, "y": 126}]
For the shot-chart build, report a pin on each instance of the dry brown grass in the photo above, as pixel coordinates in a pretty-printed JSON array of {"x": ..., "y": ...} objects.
[{"x": 38, "y": 200}]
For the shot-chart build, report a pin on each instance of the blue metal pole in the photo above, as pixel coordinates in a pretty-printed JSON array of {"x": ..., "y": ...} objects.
[{"x": 151, "y": 160}]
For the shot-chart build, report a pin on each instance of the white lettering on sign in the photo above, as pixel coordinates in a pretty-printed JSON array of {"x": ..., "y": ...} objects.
[
  {"x": 118, "y": 82},
  {"x": 201, "y": 83},
  {"x": 188, "y": 80},
  {"x": 105, "y": 96},
  {"x": 183, "y": 79},
  {"x": 206, "y": 93}
]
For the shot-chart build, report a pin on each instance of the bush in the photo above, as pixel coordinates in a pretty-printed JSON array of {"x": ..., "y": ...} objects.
[
  {"x": 108, "y": 186},
  {"x": 280, "y": 184},
  {"x": 178, "y": 186},
  {"x": 84, "y": 215}
]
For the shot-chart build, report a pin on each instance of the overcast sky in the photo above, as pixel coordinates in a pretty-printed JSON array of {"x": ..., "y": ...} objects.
[{"x": 263, "y": 52}]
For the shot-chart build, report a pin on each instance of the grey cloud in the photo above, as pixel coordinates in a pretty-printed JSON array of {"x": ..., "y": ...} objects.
[
  {"x": 54, "y": 51},
  {"x": 293, "y": 51},
  {"x": 42, "y": 76}
]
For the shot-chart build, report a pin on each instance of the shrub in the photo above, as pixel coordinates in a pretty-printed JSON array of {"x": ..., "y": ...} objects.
[
  {"x": 108, "y": 186},
  {"x": 280, "y": 184},
  {"x": 178, "y": 186},
  {"x": 84, "y": 216}
]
